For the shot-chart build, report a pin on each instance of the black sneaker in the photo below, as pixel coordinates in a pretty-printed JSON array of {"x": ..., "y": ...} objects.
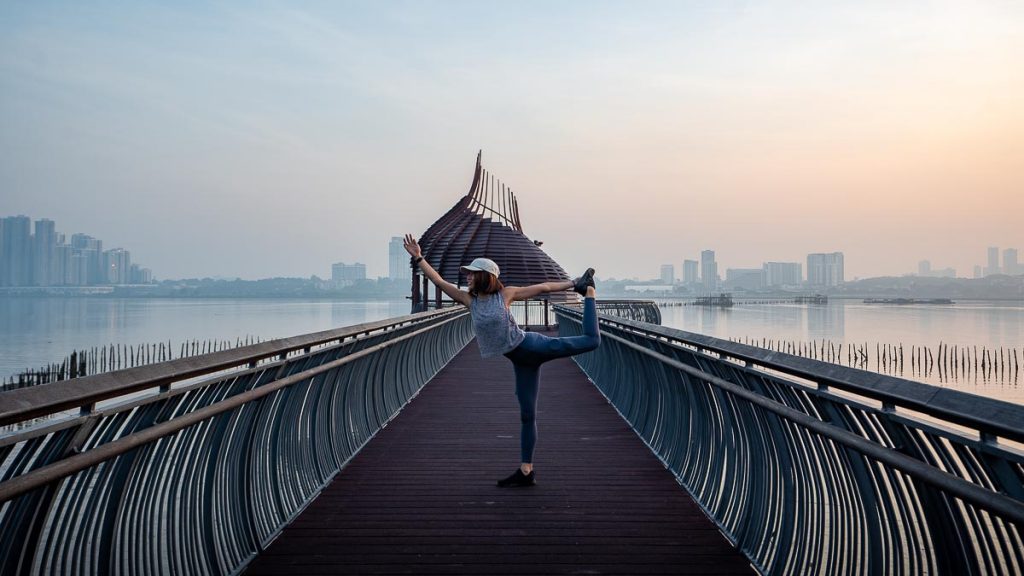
[
  {"x": 580, "y": 284},
  {"x": 517, "y": 479}
]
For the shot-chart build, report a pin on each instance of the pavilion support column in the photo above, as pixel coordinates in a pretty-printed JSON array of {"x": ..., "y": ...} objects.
[
  {"x": 426, "y": 293},
  {"x": 417, "y": 300}
]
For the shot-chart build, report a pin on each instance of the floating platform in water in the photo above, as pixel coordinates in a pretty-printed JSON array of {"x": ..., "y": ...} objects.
[
  {"x": 721, "y": 301},
  {"x": 816, "y": 299},
  {"x": 908, "y": 301}
]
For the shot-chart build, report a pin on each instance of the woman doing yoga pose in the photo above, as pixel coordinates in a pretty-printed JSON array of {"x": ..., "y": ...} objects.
[{"x": 497, "y": 333}]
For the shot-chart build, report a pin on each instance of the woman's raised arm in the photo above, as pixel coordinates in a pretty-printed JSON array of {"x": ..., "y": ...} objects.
[
  {"x": 453, "y": 292},
  {"x": 527, "y": 292}
]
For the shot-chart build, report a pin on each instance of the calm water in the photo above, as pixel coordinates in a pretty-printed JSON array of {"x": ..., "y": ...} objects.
[
  {"x": 37, "y": 331},
  {"x": 967, "y": 323}
]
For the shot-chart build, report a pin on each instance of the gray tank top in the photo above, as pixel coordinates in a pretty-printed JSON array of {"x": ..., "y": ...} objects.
[{"x": 496, "y": 330}]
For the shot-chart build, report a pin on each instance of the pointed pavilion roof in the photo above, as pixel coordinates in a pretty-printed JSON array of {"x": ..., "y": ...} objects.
[{"x": 485, "y": 223}]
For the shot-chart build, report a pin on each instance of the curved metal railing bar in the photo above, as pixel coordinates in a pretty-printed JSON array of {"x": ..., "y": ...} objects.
[
  {"x": 639, "y": 310},
  {"x": 22, "y": 404},
  {"x": 806, "y": 479},
  {"x": 198, "y": 479}
]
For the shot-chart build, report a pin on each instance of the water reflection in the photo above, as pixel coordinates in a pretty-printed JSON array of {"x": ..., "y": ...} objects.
[
  {"x": 709, "y": 319},
  {"x": 21, "y": 317},
  {"x": 38, "y": 331},
  {"x": 764, "y": 321},
  {"x": 969, "y": 345},
  {"x": 826, "y": 322}
]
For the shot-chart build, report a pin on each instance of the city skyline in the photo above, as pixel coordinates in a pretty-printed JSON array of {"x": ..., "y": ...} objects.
[
  {"x": 41, "y": 256},
  {"x": 256, "y": 141},
  {"x": 773, "y": 272}
]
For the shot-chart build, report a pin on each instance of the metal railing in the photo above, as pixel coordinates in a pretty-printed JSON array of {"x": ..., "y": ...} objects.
[
  {"x": 813, "y": 468},
  {"x": 533, "y": 314},
  {"x": 639, "y": 310},
  {"x": 192, "y": 466},
  {"x": 537, "y": 313}
]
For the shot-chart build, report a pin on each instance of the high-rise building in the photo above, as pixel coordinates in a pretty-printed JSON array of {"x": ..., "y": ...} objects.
[
  {"x": 117, "y": 266},
  {"x": 668, "y": 274},
  {"x": 924, "y": 268},
  {"x": 1010, "y": 265},
  {"x": 90, "y": 269},
  {"x": 80, "y": 264},
  {"x": 690, "y": 275},
  {"x": 744, "y": 278},
  {"x": 346, "y": 274},
  {"x": 977, "y": 271},
  {"x": 708, "y": 270},
  {"x": 61, "y": 263},
  {"x": 3, "y": 260},
  {"x": 16, "y": 258},
  {"x": 399, "y": 267},
  {"x": 44, "y": 244},
  {"x": 825, "y": 269},
  {"x": 139, "y": 275},
  {"x": 777, "y": 274},
  {"x": 42, "y": 258},
  {"x": 993, "y": 261}
]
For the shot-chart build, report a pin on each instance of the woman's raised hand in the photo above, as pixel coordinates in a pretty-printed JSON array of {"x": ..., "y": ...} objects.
[{"x": 412, "y": 247}]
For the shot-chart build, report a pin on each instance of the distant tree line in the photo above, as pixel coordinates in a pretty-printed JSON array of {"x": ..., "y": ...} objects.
[{"x": 312, "y": 287}]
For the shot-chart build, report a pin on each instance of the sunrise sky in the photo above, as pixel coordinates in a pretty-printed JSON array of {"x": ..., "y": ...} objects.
[{"x": 274, "y": 138}]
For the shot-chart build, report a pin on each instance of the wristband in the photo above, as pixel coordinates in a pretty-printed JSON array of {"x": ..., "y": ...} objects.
[{"x": 417, "y": 260}]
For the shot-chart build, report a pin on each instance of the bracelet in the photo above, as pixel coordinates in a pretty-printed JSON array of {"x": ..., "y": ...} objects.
[{"x": 417, "y": 260}]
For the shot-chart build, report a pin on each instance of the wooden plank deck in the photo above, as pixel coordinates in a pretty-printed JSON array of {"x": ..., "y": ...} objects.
[{"x": 420, "y": 498}]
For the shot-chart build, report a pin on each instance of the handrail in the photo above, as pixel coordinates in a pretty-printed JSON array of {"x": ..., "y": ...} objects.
[
  {"x": 805, "y": 479},
  {"x": 209, "y": 471},
  {"x": 631, "y": 309},
  {"x": 68, "y": 466},
  {"x": 31, "y": 402},
  {"x": 986, "y": 415},
  {"x": 1004, "y": 506}
]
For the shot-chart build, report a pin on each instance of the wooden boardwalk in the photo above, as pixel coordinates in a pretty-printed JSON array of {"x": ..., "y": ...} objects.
[{"x": 420, "y": 498}]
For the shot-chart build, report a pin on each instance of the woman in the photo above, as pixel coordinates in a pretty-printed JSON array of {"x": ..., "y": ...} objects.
[{"x": 497, "y": 333}]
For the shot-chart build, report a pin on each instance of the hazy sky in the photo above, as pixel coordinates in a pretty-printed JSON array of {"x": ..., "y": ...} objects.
[{"x": 260, "y": 139}]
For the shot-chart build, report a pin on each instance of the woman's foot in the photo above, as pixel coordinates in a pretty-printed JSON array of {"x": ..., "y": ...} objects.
[
  {"x": 581, "y": 284},
  {"x": 517, "y": 479}
]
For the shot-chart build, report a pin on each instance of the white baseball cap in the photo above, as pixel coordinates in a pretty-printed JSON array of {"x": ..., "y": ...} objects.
[{"x": 483, "y": 265}]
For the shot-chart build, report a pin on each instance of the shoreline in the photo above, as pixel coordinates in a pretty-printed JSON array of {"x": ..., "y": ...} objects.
[{"x": 109, "y": 292}]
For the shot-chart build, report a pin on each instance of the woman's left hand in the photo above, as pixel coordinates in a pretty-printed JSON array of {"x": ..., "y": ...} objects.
[{"x": 412, "y": 247}]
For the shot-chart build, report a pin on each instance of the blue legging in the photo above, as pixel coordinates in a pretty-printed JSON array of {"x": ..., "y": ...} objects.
[{"x": 527, "y": 358}]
